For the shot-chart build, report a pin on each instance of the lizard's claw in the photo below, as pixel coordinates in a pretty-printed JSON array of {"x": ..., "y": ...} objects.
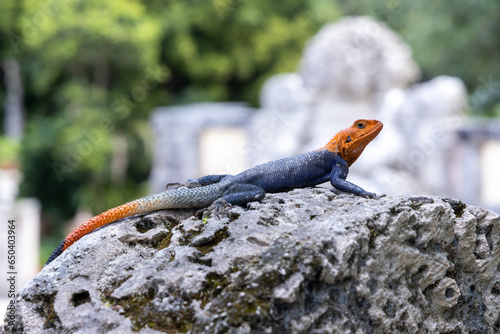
[
  {"x": 219, "y": 208},
  {"x": 372, "y": 195},
  {"x": 369, "y": 195},
  {"x": 173, "y": 185}
]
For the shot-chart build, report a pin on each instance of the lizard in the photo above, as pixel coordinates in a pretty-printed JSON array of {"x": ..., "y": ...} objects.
[{"x": 213, "y": 192}]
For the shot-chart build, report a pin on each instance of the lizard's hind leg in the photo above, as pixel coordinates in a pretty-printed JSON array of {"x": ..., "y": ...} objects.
[
  {"x": 194, "y": 183},
  {"x": 242, "y": 193},
  {"x": 238, "y": 194}
]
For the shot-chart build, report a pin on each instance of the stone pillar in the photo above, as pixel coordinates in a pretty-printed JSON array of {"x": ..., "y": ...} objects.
[{"x": 184, "y": 136}]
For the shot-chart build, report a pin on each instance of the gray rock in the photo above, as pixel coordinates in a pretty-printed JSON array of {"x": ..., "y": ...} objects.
[{"x": 306, "y": 261}]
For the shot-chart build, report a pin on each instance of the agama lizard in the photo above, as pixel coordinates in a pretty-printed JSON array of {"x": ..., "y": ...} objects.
[{"x": 329, "y": 163}]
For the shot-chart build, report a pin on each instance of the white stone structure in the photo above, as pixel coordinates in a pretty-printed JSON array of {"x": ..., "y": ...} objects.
[{"x": 181, "y": 135}]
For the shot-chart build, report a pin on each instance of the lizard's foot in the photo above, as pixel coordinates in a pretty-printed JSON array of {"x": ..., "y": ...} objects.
[
  {"x": 219, "y": 208},
  {"x": 372, "y": 195},
  {"x": 188, "y": 184},
  {"x": 173, "y": 185},
  {"x": 364, "y": 194}
]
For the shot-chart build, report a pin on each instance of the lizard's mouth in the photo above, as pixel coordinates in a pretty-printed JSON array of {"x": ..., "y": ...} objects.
[{"x": 371, "y": 134}]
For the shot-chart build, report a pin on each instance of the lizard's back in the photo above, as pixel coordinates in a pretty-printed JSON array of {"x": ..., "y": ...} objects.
[{"x": 298, "y": 171}]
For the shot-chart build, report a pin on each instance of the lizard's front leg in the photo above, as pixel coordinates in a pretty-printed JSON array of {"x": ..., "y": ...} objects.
[{"x": 338, "y": 181}]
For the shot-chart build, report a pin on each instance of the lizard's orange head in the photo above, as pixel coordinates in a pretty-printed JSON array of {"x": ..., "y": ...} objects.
[{"x": 350, "y": 143}]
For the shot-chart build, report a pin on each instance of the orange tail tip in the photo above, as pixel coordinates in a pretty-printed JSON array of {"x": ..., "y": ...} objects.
[{"x": 112, "y": 215}]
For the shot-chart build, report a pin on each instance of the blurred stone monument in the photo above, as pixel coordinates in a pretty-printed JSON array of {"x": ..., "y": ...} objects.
[
  {"x": 481, "y": 149},
  {"x": 199, "y": 139}
]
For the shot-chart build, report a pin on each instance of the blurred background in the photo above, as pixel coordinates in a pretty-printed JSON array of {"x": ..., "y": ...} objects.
[{"x": 104, "y": 102}]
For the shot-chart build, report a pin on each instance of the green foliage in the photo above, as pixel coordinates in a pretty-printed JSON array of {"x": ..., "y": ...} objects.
[
  {"x": 59, "y": 196},
  {"x": 9, "y": 152},
  {"x": 81, "y": 41},
  {"x": 459, "y": 39},
  {"x": 91, "y": 76},
  {"x": 224, "y": 50}
]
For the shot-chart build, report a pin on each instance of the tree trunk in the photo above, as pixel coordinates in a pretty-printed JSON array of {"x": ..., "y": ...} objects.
[{"x": 13, "y": 105}]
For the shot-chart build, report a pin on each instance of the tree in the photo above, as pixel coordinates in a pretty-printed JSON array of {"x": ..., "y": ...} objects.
[{"x": 87, "y": 107}]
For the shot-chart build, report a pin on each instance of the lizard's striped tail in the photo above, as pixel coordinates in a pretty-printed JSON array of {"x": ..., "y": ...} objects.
[
  {"x": 174, "y": 199},
  {"x": 112, "y": 215}
]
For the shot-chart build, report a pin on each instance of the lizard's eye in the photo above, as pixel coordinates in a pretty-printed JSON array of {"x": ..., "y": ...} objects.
[{"x": 360, "y": 125}]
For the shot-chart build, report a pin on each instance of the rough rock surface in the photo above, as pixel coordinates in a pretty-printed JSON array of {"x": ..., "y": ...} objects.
[{"x": 306, "y": 261}]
